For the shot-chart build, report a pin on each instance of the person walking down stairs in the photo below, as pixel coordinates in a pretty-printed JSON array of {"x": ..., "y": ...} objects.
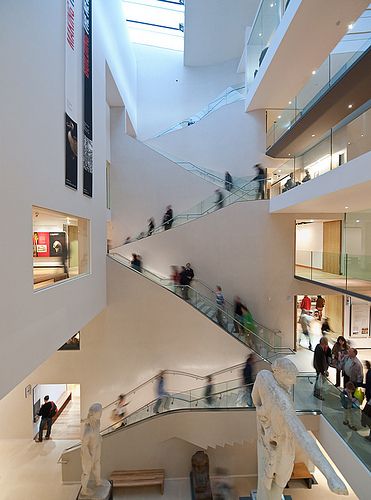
[{"x": 219, "y": 306}]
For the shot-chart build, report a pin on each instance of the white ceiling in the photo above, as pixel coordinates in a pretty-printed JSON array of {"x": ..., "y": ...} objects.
[{"x": 215, "y": 30}]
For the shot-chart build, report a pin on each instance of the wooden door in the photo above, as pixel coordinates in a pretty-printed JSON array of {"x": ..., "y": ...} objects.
[
  {"x": 331, "y": 246},
  {"x": 334, "y": 310}
]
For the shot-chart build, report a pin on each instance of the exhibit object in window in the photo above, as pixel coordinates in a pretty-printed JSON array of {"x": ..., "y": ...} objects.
[{"x": 60, "y": 247}]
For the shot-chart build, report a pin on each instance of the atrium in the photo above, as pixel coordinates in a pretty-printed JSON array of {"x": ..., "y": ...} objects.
[{"x": 199, "y": 214}]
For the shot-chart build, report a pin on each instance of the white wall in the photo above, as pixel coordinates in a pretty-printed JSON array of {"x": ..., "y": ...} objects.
[
  {"x": 228, "y": 139},
  {"x": 309, "y": 238},
  {"x": 169, "y": 92},
  {"x": 243, "y": 248},
  {"x": 32, "y": 101},
  {"x": 144, "y": 182},
  {"x": 144, "y": 329}
]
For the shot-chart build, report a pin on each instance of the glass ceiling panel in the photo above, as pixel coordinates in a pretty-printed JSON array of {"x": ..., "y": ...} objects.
[{"x": 156, "y": 22}]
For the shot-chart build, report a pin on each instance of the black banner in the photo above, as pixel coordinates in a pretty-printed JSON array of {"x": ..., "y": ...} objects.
[
  {"x": 71, "y": 152},
  {"x": 88, "y": 100}
]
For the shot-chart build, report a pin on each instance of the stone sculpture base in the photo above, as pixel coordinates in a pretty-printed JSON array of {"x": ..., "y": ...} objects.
[{"x": 103, "y": 492}]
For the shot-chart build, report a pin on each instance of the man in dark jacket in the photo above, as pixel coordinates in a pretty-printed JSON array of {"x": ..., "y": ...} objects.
[
  {"x": 167, "y": 220},
  {"x": 321, "y": 359},
  {"x": 248, "y": 379},
  {"x": 46, "y": 412},
  {"x": 228, "y": 182},
  {"x": 183, "y": 281}
]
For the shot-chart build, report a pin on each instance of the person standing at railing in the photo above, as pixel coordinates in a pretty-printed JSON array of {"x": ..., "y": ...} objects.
[
  {"x": 352, "y": 368},
  {"x": 321, "y": 361},
  {"x": 220, "y": 302},
  {"x": 307, "y": 176},
  {"x": 209, "y": 398},
  {"x": 183, "y": 281},
  {"x": 248, "y": 379},
  {"x": 260, "y": 179},
  {"x": 228, "y": 181},
  {"x": 136, "y": 262},
  {"x": 306, "y": 323},
  {"x": 189, "y": 273},
  {"x": 162, "y": 396},
  {"x": 175, "y": 277},
  {"x": 167, "y": 220},
  {"x": 219, "y": 200},
  {"x": 239, "y": 310},
  {"x": 339, "y": 351},
  {"x": 151, "y": 226}
]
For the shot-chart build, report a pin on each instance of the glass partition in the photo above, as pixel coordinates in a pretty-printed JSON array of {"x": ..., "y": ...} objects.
[
  {"x": 348, "y": 140},
  {"x": 61, "y": 246}
]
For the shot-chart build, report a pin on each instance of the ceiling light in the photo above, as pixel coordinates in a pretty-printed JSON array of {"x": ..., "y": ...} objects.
[
  {"x": 279, "y": 171},
  {"x": 350, "y": 106},
  {"x": 271, "y": 5},
  {"x": 349, "y": 143},
  {"x": 314, "y": 72},
  {"x": 346, "y": 208},
  {"x": 313, "y": 135},
  {"x": 362, "y": 135},
  {"x": 279, "y": 116},
  {"x": 289, "y": 154},
  {"x": 260, "y": 34},
  {"x": 350, "y": 26},
  {"x": 311, "y": 220},
  {"x": 290, "y": 102},
  {"x": 358, "y": 220}
]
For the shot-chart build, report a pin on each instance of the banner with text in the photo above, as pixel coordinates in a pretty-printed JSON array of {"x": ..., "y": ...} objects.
[
  {"x": 88, "y": 100},
  {"x": 71, "y": 98}
]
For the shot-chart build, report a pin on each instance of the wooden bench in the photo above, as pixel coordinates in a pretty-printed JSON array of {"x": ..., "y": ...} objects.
[
  {"x": 130, "y": 478},
  {"x": 301, "y": 471}
]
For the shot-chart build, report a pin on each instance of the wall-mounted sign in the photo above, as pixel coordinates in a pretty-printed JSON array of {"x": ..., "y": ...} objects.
[
  {"x": 88, "y": 100},
  {"x": 49, "y": 244},
  {"x": 71, "y": 86},
  {"x": 360, "y": 320}
]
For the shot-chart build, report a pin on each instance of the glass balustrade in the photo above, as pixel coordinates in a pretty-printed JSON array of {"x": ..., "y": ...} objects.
[
  {"x": 348, "y": 272},
  {"x": 231, "y": 94},
  {"x": 346, "y": 141},
  {"x": 265, "y": 24},
  {"x": 351, "y": 48},
  {"x": 265, "y": 342}
]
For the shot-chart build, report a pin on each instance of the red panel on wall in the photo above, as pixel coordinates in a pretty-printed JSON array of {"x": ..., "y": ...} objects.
[{"x": 41, "y": 243}]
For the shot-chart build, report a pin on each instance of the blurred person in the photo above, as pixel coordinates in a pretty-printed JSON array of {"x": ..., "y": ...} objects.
[
  {"x": 219, "y": 199},
  {"x": 189, "y": 273},
  {"x": 167, "y": 220},
  {"x": 320, "y": 304},
  {"x": 223, "y": 486},
  {"x": 151, "y": 226},
  {"x": 349, "y": 403},
  {"x": 325, "y": 327},
  {"x": 307, "y": 176},
  {"x": 175, "y": 277},
  {"x": 127, "y": 240},
  {"x": 305, "y": 304},
  {"x": 135, "y": 262},
  {"x": 260, "y": 179},
  {"x": 367, "y": 384},
  {"x": 239, "y": 309},
  {"x": 305, "y": 322},
  {"x": 163, "y": 397},
  {"x": 183, "y": 281},
  {"x": 248, "y": 377},
  {"x": 209, "y": 388},
  {"x": 140, "y": 263},
  {"x": 120, "y": 410},
  {"x": 249, "y": 328},
  {"x": 220, "y": 302},
  {"x": 352, "y": 368},
  {"x": 321, "y": 361},
  {"x": 228, "y": 181},
  {"x": 289, "y": 184},
  {"x": 339, "y": 351},
  {"x": 64, "y": 258}
]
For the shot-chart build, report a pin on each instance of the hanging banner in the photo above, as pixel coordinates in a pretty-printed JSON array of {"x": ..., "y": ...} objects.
[
  {"x": 71, "y": 85},
  {"x": 88, "y": 100}
]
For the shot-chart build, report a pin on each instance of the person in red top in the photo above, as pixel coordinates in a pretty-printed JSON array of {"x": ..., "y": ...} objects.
[{"x": 306, "y": 304}]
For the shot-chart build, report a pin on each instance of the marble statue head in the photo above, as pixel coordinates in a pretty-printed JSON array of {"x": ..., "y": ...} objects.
[
  {"x": 95, "y": 412},
  {"x": 285, "y": 372}
]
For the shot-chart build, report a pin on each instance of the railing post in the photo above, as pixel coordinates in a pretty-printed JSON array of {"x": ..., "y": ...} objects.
[
  {"x": 346, "y": 271},
  {"x": 311, "y": 265}
]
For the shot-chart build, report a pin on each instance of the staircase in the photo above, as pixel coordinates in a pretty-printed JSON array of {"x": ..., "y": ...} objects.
[{"x": 266, "y": 343}]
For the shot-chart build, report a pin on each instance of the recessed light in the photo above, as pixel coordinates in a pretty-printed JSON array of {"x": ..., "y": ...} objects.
[
  {"x": 349, "y": 143},
  {"x": 279, "y": 171},
  {"x": 314, "y": 72},
  {"x": 311, "y": 220},
  {"x": 260, "y": 34},
  {"x": 313, "y": 135},
  {"x": 350, "y": 26},
  {"x": 271, "y": 5},
  {"x": 290, "y": 102},
  {"x": 279, "y": 116},
  {"x": 358, "y": 220},
  {"x": 289, "y": 154},
  {"x": 346, "y": 208},
  {"x": 362, "y": 135},
  {"x": 350, "y": 106}
]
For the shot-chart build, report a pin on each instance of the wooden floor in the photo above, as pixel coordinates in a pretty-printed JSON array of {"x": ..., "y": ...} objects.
[{"x": 67, "y": 425}]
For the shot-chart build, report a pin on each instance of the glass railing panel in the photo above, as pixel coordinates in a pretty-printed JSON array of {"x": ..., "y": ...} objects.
[
  {"x": 265, "y": 25},
  {"x": 279, "y": 121},
  {"x": 358, "y": 274}
]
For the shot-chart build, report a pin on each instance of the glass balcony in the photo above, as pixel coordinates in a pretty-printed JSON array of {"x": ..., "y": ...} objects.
[
  {"x": 350, "y": 48},
  {"x": 348, "y": 140},
  {"x": 344, "y": 271}
]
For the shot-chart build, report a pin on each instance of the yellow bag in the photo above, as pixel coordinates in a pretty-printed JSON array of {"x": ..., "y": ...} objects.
[{"x": 359, "y": 394}]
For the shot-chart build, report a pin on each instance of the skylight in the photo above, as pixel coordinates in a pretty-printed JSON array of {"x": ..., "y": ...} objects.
[{"x": 159, "y": 23}]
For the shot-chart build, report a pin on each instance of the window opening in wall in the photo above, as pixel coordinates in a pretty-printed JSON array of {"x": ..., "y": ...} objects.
[
  {"x": 60, "y": 246},
  {"x": 159, "y": 23},
  {"x": 72, "y": 344}
]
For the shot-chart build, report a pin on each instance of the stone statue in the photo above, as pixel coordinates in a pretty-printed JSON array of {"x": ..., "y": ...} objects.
[
  {"x": 200, "y": 479},
  {"x": 279, "y": 429},
  {"x": 91, "y": 442}
]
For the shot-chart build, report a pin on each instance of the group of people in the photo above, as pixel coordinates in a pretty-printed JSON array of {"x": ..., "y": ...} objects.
[
  {"x": 291, "y": 183},
  {"x": 344, "y": 359},
  {"x": 182, "y": 279},
  {"x": 306, "y": 317}
]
